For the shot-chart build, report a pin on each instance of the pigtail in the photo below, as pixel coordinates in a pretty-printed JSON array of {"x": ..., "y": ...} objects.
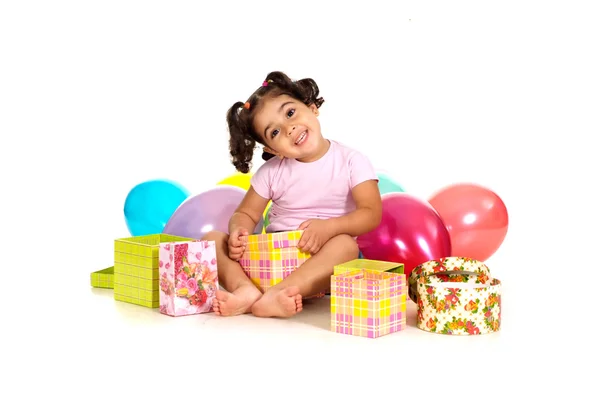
[
  {"x": 241, "y": 143},
  {"x": 310, "y": 91}
]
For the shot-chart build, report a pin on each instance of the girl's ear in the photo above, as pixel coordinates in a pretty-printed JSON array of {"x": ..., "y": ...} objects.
[
  {"x": 314, "y": 109},
  {"x": 269, "y": 150}
]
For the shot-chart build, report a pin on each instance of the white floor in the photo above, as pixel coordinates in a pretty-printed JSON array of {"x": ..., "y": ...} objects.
[
  {"x": 69, "y": 338},
  {"x": 109, "y": 344}
]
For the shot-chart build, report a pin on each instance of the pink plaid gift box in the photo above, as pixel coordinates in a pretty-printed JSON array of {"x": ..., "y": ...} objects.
[
  {"x": 368, "y": 303},
  {"x": 270, "y": 257},
  {"x": 188, "y": 277}
]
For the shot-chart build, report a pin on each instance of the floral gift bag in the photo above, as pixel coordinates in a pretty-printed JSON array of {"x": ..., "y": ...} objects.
[{"x": 188, "y": 277}]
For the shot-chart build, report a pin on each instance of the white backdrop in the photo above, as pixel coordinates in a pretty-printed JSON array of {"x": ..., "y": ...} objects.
[{"x": 96, "y": 97}]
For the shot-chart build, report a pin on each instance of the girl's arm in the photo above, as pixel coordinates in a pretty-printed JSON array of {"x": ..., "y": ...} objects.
[
  {"x": 248, "y": 212},
  {"x": 367, "y": 215}
]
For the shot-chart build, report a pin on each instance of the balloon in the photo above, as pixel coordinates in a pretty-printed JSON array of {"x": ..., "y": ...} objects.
[
  {"x": 475, "y": 217},
  {"x": 266, "y": 214},
  {"x": 410, "y": 232},
  {"x": 207, "y": 211},
  {"x": 150, "y": 204},
  {"x": 238, "y": 179},
  {"x": 387, "y": 184}
]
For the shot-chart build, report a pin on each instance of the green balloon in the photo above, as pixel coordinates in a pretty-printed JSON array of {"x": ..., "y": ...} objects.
[
  {"x": 266, "y": 219},
  {"x": 388, "y": 185}
]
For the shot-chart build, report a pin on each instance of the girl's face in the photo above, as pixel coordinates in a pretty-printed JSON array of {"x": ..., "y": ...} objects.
[{"x": 289, "y": 128}]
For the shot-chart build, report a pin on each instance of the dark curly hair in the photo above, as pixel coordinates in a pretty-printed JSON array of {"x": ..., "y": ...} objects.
[{"x": 243, "y": 138}]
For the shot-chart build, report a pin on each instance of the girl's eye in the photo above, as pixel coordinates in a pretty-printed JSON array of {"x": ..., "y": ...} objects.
[{"x": 289, "y": 114}]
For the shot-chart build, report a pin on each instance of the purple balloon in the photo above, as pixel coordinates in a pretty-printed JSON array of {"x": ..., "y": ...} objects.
[
  {"x": 207, "y": 211},
  {"x": 410, "y": 232}
]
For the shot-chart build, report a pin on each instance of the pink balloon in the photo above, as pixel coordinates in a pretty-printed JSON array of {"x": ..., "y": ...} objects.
[
  {"x": 207, "y": 211},
  {"x": 410, "y": 232},
  {"x": 475, "y": 217}
]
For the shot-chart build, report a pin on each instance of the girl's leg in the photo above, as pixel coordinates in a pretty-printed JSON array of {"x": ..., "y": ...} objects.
[
  {"x": 240, "y": 292},
  {"x": 313, "y": 277}
]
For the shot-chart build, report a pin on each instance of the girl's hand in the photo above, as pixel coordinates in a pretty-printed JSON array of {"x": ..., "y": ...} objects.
[
  {"x": 316, "y": 233},
  {"x": 237, "y": 243}
]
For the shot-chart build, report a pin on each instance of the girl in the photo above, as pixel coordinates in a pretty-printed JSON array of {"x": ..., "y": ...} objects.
[{"x": 317, "y": 185}]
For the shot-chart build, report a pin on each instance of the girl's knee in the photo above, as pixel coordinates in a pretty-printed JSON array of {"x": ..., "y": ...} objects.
[
  {"x": 216, "y": 236},
  {"x": 349, "y": 244}
]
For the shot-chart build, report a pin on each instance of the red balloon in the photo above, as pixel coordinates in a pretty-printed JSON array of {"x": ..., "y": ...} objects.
[
  {"x": 410, "y": 232},
  {"x": 475, "y": 217}
]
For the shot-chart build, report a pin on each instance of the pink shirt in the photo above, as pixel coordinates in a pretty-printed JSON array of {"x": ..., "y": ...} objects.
[{"x": 320, "y": 189}]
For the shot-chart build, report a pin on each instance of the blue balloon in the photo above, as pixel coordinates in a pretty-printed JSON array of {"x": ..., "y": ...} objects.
[
  {"x": 149, "y": 205},
  {"x": 388, "y": 185}
]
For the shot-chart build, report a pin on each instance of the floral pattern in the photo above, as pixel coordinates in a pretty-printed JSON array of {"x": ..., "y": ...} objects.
[
  {"x": 456, "y": 296},
  {"x": 448, "y": 269},
  {"x": 188, "y": 277}
]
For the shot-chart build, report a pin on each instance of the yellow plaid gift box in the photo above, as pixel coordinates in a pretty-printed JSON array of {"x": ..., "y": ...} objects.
[
  {"x": 373, "y": 265},
  {"x": 136, "y": 268},
  {"x": 368, "y": 303},
  {"x": 270, "y": 257}
]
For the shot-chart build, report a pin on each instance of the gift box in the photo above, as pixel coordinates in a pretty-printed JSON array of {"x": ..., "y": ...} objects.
[
  {"x": 188, "y": 277},
  {"x": 103, "y": 278},
  {"x": 270, "y": 257},
  {"x": 368, "y": 303},
  {"x": 136, "y": 268},
  {"x": 456, "y": 296},
  {"x": 373, "y": 265}
]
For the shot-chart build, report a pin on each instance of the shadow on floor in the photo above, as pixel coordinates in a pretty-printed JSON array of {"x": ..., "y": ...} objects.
[{"x": 317, "y": 312}]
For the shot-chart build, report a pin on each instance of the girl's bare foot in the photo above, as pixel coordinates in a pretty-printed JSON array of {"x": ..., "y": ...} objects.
[
  {"x": 279, "y": 303},
  {"x": 238, "y": 302}
]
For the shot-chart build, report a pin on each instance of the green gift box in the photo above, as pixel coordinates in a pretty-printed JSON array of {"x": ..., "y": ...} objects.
[
  {"x": 136, "y": 278},
  {"x": 103, "y": 278}
]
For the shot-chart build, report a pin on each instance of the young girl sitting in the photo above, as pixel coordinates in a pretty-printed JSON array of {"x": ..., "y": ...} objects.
[{"x": 317, "y": 185}]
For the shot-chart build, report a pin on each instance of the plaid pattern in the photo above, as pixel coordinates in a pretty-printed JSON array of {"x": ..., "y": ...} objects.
[
  {"x": 270, "y": 257},
  {"x": 136, "y": 268},
  {"x": 373, "y": 265},
  {"x": 368, "y": 303},
  {"x": 103, "y": 278}
]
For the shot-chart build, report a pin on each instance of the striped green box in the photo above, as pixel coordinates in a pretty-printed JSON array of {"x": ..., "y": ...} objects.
[
  {"x": 103, "y": 278},
  {"x": 136, "y": 268}
]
